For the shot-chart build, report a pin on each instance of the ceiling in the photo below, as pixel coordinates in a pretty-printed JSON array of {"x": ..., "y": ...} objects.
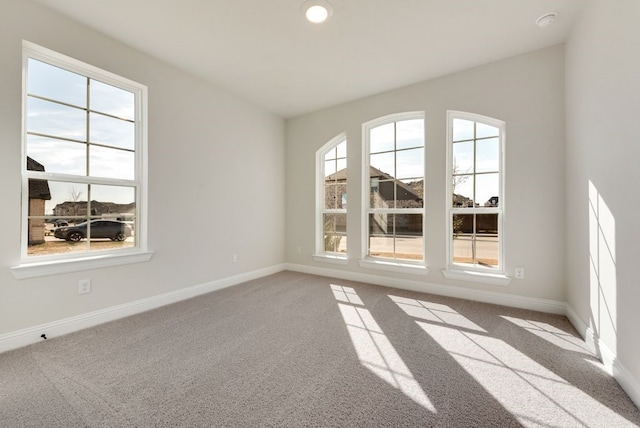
[{"x": 266, "y": 52}]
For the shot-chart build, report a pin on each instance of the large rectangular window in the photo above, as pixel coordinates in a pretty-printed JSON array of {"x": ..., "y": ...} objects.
[
  {"x": 394, "y": 205},
  {"x": 476, "y": 204},
  {"x": 84, "y": 162}
]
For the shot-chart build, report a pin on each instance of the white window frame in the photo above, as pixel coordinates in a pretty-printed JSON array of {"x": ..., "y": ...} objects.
[
  {"x": 466, "y": 272},
  {"x": 34, "y": 266},
  {"x": 379, "y": 263},
  {"x": 320, "y": 254}
]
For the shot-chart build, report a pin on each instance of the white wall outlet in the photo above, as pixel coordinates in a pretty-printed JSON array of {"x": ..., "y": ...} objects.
[
  {"x": 84, "y": 286},
  {"x": 519, "y": 273},
  {"x": 234, "y": 258},
  {"x": 299, "y": 249}
]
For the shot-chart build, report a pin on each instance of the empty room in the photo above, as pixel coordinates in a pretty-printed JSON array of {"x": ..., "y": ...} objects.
[{"x": 340, "y": 213}]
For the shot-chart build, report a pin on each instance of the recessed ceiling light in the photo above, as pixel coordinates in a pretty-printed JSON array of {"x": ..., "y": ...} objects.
[
  {"x": 546, "y": 19},
  {"x": 317, "y": 11}
]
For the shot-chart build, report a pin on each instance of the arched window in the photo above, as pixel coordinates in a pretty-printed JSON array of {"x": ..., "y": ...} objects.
[
  {"x": 476, "y": 192},
  {"x": 331, "y": 199},
  {"x": 393, "y": 206}
]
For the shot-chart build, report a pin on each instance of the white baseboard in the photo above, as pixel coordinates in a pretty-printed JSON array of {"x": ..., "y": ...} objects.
[
  {"x": 585, "y": 331},
  {"x": 627, "y": 381},
  {"x": 609, "y": 359},
  {"x": 541, "y": 305},
  {"x": 28, "y": 336}
]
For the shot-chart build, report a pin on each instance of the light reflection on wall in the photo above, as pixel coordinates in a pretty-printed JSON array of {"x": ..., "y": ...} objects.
[{"x": 603, "y": 275}]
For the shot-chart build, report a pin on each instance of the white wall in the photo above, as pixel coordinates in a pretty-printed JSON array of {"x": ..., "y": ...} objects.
[
  {"x": 216, "y": 178},
  {"x": 527, "y": 92},
  {"x": 603, "y": 177}
]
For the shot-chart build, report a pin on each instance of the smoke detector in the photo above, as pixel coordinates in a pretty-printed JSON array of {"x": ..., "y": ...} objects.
[{"x": 546, "y": 19}]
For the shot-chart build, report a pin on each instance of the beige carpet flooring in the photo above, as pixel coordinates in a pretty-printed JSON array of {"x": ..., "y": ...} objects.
[{"x": 296, "y": 350}]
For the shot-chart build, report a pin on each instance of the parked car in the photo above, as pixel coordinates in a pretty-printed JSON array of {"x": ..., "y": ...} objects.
[{"x": 112, "y": 229}]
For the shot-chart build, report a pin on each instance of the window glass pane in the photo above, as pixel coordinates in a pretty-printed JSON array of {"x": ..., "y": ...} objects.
[
  {"x": 462, "y": 225},
  {"x": 55, "y": 119},
  {"x": 381, "y": 241},
  {"x": 114, "y": 101},
  {"x": 111, "y": 163},
  {"x": 410, "y": 163},
  {"x": 335, "y": 233},
  {"x": 113, "y": 202},
  {"x": 113, "y": 209},
  {"x": 488, "y": 155},
  {"x": 331, "y": 154},
  {"x": 408, "y": 225},
  {"x": 487, "y": 240},
  {"x": 407, "y": 196},
  {"x": 463, "y": 249},
  {"x": 341, "y": 150},
  {"x": 484, "y": 131},
  {"x": 462, "y": 129},
  {"x": 409, "y": 133},
  {"x": 38, "y": 230},
  {"x": 329, "y": 167},
  {"x": 58, "y": 156},
  {"x": 341, "y": 164},
  {"x": 383, "y": 162},
  {"x": 68, "y": 201},
  {"x": 487, "y": 251},
  {"x": 463, "y": 191},
  {"x": 487, "y": 225},
  {"x": 382, "y": 138},
  {"x": 382, "y": 193},
  {"x": 331, "y": 195},
  {"x": 417, "y": 189},
  {"x": 55, "y": 205},
  {"x": 112, "y": 132},
  {"x": 55, "y": 83},
  {"x": 487, "y": 187},
  {"x": 50, "y": 245},
  {"x": 408, "y": 242},
  {"x": 463, "y": 158},
  {"x": 409, "y": 248}
]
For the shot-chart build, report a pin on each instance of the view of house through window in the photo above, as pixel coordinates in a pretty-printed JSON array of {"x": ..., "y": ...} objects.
[
  {"x": 476, "y": 197},
  {"x": 334, "y": 197},
  {"x": 82, "y": 148},
  {"x": 395, "y": 164}
]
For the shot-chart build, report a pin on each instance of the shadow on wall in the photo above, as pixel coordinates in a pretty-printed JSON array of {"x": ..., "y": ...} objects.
[{"x": 603, "y": 274}]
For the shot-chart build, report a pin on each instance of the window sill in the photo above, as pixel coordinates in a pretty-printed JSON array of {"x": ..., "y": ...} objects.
[
  {"x": 326, "y": 258},
  {"x": 55, "y": 267},
  {"x": 480, "y": 277},
  {"x": 410, "y": 268}
]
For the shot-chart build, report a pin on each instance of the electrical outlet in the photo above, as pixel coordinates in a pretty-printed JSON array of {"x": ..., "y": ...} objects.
[
  {"x": 234, "y": 258},
  {"x": 84, "y": 286},
  {"x": 299, "y": 249},
  {"x": 519, "y": 273}
]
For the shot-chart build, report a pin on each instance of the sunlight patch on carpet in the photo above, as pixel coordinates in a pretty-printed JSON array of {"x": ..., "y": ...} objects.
[
  {"x": 346, "y": 294},
  {"x": 435, "y": 312},
  {"x": 525, "y": 388},
  {"x": 376, "y": 352},
  {"x": 551, "y": 334}
]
